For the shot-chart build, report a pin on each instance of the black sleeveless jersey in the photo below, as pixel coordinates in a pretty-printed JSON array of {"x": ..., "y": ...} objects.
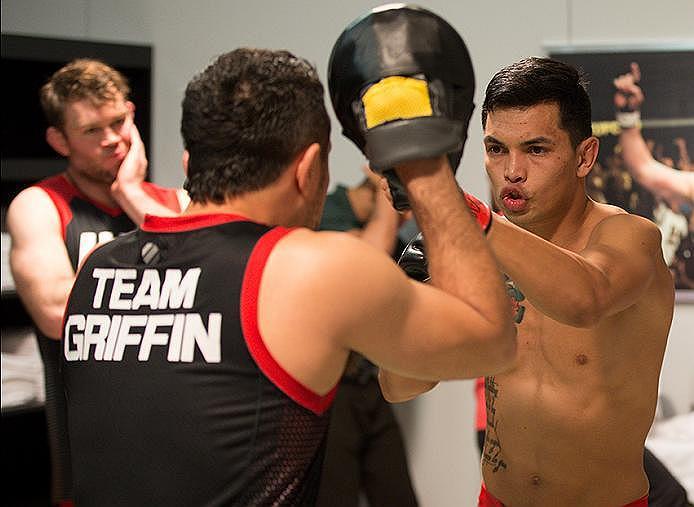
[
  {"x": 173, "y": 398},
  {"x": 84, "y": 224}
]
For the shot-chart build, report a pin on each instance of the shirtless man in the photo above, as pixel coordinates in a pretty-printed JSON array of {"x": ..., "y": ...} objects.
[{"x": 567, "y": 424}]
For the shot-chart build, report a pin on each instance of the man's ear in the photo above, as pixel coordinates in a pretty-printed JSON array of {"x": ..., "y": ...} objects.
[
  {"x": 306, "y": 163},
  {"x": 56, "y": 139},
  {"x": 587, "y": 155},
  {"x": 184, "y": 160}
]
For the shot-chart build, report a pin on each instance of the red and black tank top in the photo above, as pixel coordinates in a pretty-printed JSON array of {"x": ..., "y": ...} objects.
[
  {"x": 173, "y": 398},
  {"x": 84, "y": 224}
]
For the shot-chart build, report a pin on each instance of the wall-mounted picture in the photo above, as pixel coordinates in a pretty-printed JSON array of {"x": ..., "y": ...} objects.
[{"x": 643, "y": 114}]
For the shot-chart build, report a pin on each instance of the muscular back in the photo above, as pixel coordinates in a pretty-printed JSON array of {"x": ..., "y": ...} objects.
[{"x": 570, "y": 419}]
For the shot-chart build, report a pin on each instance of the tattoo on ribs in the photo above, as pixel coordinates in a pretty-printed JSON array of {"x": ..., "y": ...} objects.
[{"x": 491, "y": 455}]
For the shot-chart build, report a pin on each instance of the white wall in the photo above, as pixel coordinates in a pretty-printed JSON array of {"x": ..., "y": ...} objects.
[{"x": 186, "y": 35}]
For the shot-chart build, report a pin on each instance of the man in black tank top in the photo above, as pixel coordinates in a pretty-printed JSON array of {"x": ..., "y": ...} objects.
[
  {"x": 56, "y": 222},
  {"x": 365, "y": 452},
  {"x": 201, "y": 353}
]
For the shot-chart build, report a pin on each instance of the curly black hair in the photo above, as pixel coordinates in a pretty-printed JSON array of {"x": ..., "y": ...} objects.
[{"x": 246, "y": 117}]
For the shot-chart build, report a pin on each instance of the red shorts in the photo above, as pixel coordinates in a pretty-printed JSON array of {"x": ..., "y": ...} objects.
[{"x": 487, "y": 500}]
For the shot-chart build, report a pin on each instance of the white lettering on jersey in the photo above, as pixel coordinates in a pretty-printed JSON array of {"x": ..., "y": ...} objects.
[
  {"x": 151, "y": 337},
  {"x": 89, "y": 240},
  {"x": 148, "y": 291},
  {"x": 95, "y": 333},
  {"x": 105, "y": 337},
  {"x": 208, "y": 340},
  {"x": 177, "y": 291},
  {"x": 176, "y": 339},
  {"x": 125, "y": 337},
  {"x": 112, "y": 334},
  {"x": 121, "y": 288},
  {"x": 73, "y": 323},
  {"x": 102, "y": 276}
]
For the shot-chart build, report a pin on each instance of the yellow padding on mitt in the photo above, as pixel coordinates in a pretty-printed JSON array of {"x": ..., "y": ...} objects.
[{"x": 396, "y": 98}]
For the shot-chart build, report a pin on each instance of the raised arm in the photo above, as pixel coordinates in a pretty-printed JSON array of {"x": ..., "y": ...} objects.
[
  {"x": 461, "y": 265},
  {"x": 684, "y": 161},
  {"x": 609, "y": 275},
  {"x": 464, "y": 277},
  {"x": 39, "y": 260},
  {"x": 663, "y": 181},
  {"x": 351, "y": 296}
]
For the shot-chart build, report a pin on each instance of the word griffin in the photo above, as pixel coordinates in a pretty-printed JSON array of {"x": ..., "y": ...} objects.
[{"x": 104, "y": 336}]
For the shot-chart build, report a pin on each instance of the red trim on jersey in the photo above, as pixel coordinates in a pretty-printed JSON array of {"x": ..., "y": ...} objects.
[
  {"x": 182, "y": 223},
  {"x": 65, "y": 187},
  {"x": 254, "y": 341},
  {"x": 165, "y": 196},
  {"x": 61, "y": 193}
]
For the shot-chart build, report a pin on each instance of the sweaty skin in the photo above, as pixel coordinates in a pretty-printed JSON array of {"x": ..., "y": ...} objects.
[
  {"x": 568, "y": 422},
  {"x": 577, "y": 407}
]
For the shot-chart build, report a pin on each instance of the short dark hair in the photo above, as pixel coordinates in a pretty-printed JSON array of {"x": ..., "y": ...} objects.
[
  {"x": 80, "y": 79},
  {"x": 245, "y": 117},
  {"x": 534, "y": 81}
]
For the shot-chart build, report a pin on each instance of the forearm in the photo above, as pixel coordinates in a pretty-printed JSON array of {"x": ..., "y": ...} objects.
[
  {"x": 684, "y": 162},
  {"x": 664, "y": 181},
  {"x": 459, "y": 259},
  {"x": 635, "y": 151},
  {"x": 460, "y": 263},
  {"x": 136, "y": 203},
  {"x": 382, "y": 229}
]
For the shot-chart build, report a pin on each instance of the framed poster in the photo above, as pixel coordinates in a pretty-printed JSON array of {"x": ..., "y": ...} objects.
[{"x": 667, "y": 127}]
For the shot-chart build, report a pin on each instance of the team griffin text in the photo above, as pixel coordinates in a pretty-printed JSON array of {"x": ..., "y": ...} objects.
[{"x": 104, "y": 334}]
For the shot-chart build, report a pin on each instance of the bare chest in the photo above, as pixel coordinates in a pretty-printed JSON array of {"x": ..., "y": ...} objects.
[{"x": 550, "y": 351}]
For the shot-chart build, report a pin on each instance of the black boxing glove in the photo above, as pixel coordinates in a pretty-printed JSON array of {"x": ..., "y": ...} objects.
[
  {"x": 401, "y": 83},
  {"x": 413, "y": 259}
]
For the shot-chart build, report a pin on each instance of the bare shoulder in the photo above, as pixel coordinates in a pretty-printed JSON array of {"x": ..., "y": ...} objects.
[
  {"x": 325, "y": 283},
  {"x": 616, "y": 226},
  {"x": 31, "y": 197},
  {"x": 332, "y": 257},
  {"x": 339, "y": 274},
  {"x": 630, "y": 244},
  {"x": 32, "y": 212}
]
